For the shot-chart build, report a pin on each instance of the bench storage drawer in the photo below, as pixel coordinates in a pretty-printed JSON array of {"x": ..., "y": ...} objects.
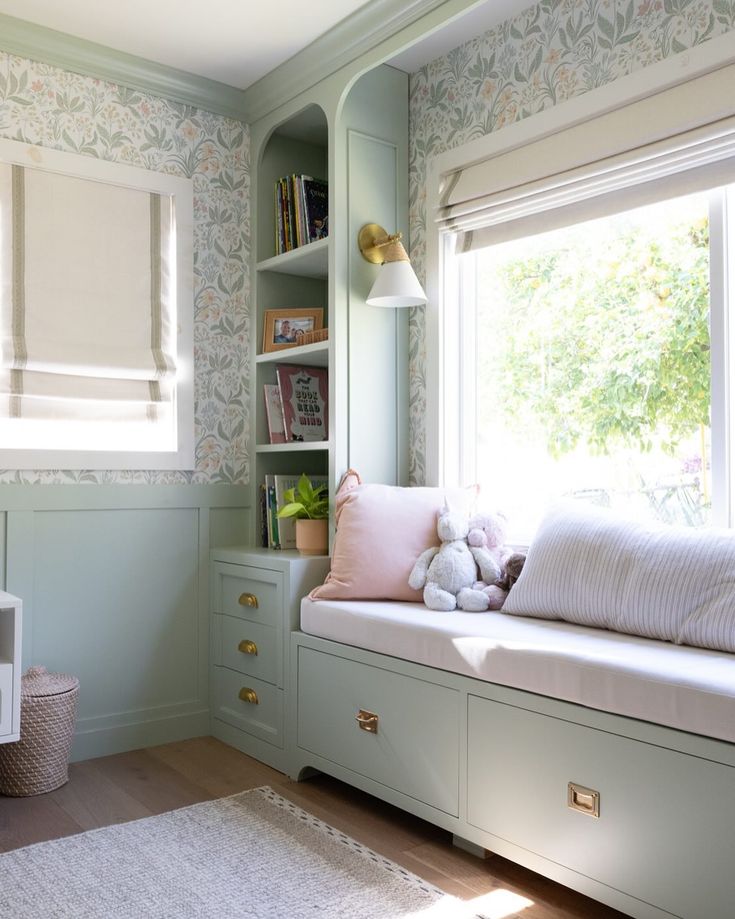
[
  {"x": 415, "y": 747},
  {"x": 655, "y": 812}
]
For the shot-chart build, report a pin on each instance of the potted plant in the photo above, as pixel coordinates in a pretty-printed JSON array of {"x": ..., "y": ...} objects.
[{"x": 310, "y": 507}]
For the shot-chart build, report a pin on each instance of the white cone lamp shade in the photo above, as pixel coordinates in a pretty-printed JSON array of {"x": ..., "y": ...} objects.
[{"x": 396, "y": 284}]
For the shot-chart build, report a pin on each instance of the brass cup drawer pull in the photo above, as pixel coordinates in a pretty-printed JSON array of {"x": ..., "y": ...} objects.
[
  {"x": 247, "y": 694},
  {"x": 248, "y": 600},
  {"x": 248, "y": 647},
  {"x": 368, "y": 721},
  {"x": 584, "y": 800}
]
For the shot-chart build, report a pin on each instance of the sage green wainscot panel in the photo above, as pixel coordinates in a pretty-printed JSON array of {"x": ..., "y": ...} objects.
[
  {"x": 666, "y": 820},
  {"x": 415, "y": 745},
  {"x": 115, "y": 586}
]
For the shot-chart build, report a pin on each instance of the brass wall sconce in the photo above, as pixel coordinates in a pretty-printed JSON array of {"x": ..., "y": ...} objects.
[{"x": 396, "y": 284}]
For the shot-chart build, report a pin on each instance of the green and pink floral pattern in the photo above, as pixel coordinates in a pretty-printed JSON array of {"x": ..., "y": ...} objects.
[
  {"x": 553, "y": 51},
  {"x": 43, "y": 105}
]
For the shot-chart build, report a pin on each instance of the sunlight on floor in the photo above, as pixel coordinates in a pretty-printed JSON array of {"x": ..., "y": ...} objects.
[{"x": 498, "y": 904}]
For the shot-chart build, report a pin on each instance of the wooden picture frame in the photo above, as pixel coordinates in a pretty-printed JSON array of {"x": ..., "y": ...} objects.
[{"x": 283, "y": 328}]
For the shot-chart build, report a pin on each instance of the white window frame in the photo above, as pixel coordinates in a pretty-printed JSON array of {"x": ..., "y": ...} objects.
[
  {"x": 181, "y": 191},
  {"x": 447, "y": 463}
]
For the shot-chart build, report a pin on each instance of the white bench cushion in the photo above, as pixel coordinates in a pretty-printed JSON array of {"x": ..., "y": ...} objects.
[{"x": 691, "y": 689}]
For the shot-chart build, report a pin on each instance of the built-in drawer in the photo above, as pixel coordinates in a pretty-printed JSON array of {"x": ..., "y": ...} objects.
[
  {"x": 6, "y": 698},
  {"x": 666, "y": 819},
  {"x": 249, "y": 593},
  {"x": 414, "y": 749},
  {"x": 249, "y": 647},
  {"x": 249, "y": 704}
]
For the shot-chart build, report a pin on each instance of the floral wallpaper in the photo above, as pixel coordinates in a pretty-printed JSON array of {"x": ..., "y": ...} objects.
[
  {"x": 43, "y": 105},
  {"x": 553, "y": 51}
]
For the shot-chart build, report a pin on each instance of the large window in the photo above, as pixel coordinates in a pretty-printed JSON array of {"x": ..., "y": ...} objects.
[
  {"x": 584, "y": 336},
  {"x": 592, "y": 367}
]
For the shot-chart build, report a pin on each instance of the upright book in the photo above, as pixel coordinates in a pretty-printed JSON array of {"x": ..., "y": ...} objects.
[
  {"x": 305, "y": 400},
  {"x": 274, "y": 414}
]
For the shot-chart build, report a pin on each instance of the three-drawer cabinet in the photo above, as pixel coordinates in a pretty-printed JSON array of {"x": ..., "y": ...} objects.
[{"x": 256, "y": 596}]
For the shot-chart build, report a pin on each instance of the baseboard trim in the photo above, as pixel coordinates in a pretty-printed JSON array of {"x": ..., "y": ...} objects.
[
  {"x": 145, "y": 733},
  {"x": 252, "y": 746}
]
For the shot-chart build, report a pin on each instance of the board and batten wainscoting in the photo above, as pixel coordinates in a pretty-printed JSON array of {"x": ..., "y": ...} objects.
[{"x": 115, "y": 587}]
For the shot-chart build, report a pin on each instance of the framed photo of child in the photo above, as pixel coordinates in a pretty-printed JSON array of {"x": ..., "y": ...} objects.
[{"x": 286, "y": 328}]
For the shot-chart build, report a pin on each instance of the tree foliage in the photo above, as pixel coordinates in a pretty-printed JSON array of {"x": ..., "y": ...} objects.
[{"x": 604, "y": 341}]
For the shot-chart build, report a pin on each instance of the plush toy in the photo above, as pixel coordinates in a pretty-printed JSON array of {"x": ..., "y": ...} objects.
[
  {"x": 488, "y": 532},
  {"x": 447, "y": 572},
  {"x": 497, "y": 592}
]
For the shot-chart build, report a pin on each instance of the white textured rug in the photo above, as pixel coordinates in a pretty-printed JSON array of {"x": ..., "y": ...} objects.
[{"x": 252, "y": 855}]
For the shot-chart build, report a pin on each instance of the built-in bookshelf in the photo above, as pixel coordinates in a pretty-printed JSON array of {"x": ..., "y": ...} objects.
[
  {"x": 357, "y": 141},
  {"x": 292, "y": 280}
]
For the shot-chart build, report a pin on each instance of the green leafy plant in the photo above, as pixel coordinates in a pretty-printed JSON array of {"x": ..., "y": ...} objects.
[{"x": 305, "y": 502}]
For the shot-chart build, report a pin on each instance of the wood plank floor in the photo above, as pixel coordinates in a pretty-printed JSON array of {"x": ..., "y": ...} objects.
[{"x": 114, "y": 789}]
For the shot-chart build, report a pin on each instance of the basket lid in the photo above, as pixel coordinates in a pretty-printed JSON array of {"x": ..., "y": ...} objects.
[{"x": 37, "y": 681}]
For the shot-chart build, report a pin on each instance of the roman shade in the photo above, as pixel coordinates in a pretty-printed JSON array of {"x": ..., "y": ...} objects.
[
  {"x": 676, "y": 142},
  {"x": 86, "y": 298}
]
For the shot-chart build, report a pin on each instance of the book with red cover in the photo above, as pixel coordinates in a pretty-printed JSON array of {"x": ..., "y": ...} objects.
[{"x": 305, "y": 400}]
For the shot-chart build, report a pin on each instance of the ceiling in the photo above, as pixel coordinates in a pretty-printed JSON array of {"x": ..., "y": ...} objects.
[
  {"x": 235, "y": 42},
  {"x": 231, "y": 41}
]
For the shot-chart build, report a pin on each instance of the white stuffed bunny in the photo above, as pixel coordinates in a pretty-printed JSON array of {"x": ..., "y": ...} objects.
[{"x": 447, "y": 572}]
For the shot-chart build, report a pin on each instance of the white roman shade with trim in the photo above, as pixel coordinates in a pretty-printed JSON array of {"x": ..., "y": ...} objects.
[
  {"x": 676, "y": 142},
  {"x": 87, "y": 303}
]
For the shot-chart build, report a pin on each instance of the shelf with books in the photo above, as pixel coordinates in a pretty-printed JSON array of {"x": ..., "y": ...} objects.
[
  {"x": 309, "y": 261},
  {"x": 311, "y": 446},
  {"x": 315, "y": 355}
]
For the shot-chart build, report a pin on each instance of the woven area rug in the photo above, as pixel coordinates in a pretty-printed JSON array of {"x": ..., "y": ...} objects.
[{"x": 251, "y": 855}]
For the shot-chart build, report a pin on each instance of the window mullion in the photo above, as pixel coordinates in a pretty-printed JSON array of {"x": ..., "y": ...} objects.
[{"x": 721, "y": 331}]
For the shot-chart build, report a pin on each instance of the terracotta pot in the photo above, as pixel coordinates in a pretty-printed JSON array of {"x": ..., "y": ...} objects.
[{"x": 312, "y": 537}]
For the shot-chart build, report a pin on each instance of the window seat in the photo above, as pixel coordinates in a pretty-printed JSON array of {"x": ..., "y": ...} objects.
[
  {"x": 690, "y": 689},
  {"x": 513, "y": 732}
]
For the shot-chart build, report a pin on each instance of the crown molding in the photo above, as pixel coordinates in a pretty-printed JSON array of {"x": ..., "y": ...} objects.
[
  {"x": 354, "y": 36},
  {"x": 38, "y": 43}
]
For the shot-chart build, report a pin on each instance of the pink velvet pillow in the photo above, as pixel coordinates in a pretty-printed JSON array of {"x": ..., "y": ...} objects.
[{"x": 381, "y": 531}]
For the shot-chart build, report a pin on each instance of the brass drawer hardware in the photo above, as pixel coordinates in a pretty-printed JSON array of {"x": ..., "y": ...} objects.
[
  {"x": 584, "y": 800},
  {"x": 368, "y": 721},
  {"x": 247, "y": 694},
  {"x": 248, "y": 647},
  {"x": 248, "y": 600}
]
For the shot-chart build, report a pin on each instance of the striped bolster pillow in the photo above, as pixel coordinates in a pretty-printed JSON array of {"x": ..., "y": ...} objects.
[{"x": 588, "y": 566}]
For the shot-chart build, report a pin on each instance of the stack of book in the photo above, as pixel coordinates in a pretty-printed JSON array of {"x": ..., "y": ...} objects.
[
  {"x": 297, "y": 407},
  {"x": 301, "y": 212},
  {"x": 275, "y": 532}
]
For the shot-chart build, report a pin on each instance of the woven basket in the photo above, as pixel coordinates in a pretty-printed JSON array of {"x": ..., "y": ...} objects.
[
  {"x": 38, "y": 762},
  {"x": 309, "y": 338}
]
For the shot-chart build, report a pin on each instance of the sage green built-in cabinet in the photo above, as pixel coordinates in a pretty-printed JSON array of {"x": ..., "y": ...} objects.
[{"x": 256, "y": 596}]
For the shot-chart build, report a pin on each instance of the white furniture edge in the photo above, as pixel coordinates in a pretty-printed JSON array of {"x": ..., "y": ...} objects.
[{"x": 14, "y": 607}]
